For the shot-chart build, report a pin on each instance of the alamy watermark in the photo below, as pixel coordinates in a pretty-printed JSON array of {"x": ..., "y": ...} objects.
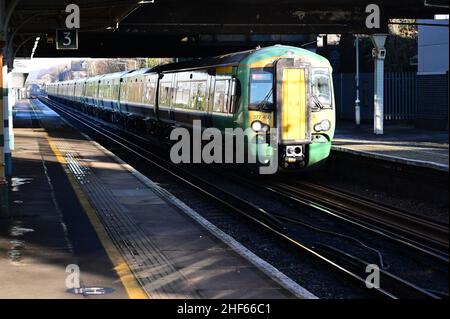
[
  {"x": 373, "y": 17},
  {"x": 231, "y": 146},
  {"x": 373, "y": 279},
  {"x": 73, "y": 278},
  {"x": 73, "y": 283},
  {"x": 73, "y": 17}
]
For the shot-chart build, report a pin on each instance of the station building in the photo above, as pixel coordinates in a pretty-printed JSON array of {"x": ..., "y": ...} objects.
[{"x": 432, "y": 74}]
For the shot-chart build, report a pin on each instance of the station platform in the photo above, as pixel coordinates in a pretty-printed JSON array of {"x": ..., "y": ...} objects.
[
  {"x": 399, "y": 143},
  {"x": 72, "y": 202}
]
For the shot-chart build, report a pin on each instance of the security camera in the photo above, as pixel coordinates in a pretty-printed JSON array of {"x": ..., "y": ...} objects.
[{"x": 381, "y": 54}]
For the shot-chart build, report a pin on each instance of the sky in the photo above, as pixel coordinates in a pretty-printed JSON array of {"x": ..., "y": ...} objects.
[{"x": 31, "y": 65}]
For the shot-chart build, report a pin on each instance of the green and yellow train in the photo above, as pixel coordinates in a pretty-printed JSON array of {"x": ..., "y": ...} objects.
[{"x": 280, "y": 87}]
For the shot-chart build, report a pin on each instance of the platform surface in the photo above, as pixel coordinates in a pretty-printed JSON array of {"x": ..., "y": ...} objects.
[
  {"x": 72, "y": 202},
  {"x": 400, "y": 143}
]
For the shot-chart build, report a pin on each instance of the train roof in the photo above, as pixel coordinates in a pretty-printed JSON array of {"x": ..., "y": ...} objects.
[
  {"x": 115, "y": 75},
  {"x": 221, "y": 60},
  {"x": 67, "y": 82},
  {"x": 94, "y": 78},
  {"x": 136, "y": 72}
]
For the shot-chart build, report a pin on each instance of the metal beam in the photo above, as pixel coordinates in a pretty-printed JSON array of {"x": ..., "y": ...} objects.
[
  {"x": 9, "y": 12},
  {"x": 357, "y": 101},
  {"x": 10, "y": 39}
]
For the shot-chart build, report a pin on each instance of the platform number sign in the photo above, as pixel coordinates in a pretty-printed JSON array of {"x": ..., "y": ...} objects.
[{"x": 67, "y": 39}]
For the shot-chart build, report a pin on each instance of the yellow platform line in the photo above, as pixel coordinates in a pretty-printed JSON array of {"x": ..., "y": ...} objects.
[{"x": 132, "y": 287}]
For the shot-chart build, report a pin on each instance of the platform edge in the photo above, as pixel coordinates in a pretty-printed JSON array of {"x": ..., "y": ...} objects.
[{"x": 391, "y": 158}]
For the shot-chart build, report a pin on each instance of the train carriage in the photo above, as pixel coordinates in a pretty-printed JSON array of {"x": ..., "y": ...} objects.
[
  {"x": 109, "y": 89},
  {"x": 281, "y": 87},
  {"x": 90, "y": 98},
  {"x": 79, "y": 88},
  {"x": 137, "y": 93}
]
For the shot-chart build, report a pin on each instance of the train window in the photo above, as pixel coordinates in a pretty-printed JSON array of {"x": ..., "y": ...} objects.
[
  {"x": 109, "y": 91},
  {"x": 135, "y": 90},
  {"x": 235, "y": 94},
  {"x": 166, "y": 90},
  {"x": 129, "y": 91},
  {"x": 321, "y": 88},
  {"x": 138, "y": 91},
  {"x": 123, "y": 91},
  {"x": 115, "y": 90},
  {"x": 89, "y": 89},
  {"x": 261, "y": 89},
  {"x": 198, "y": 95},
  {"x": 221, "y": 96},
  {"x": 150, "y": 90},
  {"x": 182, "y": 95},
  {"x": 164, "y": 95}
]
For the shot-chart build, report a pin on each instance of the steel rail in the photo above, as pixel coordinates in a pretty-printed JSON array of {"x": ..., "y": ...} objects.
[
  {"x": 427, "y": 231},
  {"x": 358, "y": 216},
  {"x": 291, "y": 193}
]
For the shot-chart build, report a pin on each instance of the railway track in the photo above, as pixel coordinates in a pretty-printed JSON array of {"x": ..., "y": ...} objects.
[
  {"x": 280, "y": 226},
  {"x": 417, "y": 230},
  {"x": 426, "y": 236}
]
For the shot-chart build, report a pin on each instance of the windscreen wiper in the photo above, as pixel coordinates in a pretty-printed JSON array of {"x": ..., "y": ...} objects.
[
  {"x": 317, "y": 102},
  {"x": 263, "y": 103}
]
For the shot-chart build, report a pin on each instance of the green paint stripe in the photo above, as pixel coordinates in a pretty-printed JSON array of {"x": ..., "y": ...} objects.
[{"x": 8, "y": 164}]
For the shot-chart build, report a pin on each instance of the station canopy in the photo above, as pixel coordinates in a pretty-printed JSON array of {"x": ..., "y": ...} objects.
[{"x": 185, "y": 28}]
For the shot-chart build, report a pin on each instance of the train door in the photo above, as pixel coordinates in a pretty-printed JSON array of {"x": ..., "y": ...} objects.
[
  {"x": 97, "y": 93},
  {"x": 182, "y": 113},
  {"x": 221, "y": 102},
  {"x": 206, "y": 117},
  {"x": 120, "y": 96},
  {"x": 165, "y": 92},
  {"x": 292, "y": 101}
]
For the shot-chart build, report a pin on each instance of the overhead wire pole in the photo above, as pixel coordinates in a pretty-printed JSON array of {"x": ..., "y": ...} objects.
[
  {"x": 3, "y": 181},
  {"x": 7, "y": 106},
  {"x": 6, "y": 121},
  {"x": 5, "y": 152},
  {"x": 357, "y": 101}
]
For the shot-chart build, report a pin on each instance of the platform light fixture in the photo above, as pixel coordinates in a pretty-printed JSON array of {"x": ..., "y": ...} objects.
[{"x": 35, "y": 46}]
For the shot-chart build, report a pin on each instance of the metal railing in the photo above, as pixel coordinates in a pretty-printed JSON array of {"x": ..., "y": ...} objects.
[{"x": 400, "y": 96}]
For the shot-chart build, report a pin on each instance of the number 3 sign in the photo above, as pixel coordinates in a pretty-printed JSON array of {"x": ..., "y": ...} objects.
[{"x": 67, "y": 39}]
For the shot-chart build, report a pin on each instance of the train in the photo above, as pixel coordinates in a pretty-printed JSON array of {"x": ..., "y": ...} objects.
[{"x": 279, "y": 88}]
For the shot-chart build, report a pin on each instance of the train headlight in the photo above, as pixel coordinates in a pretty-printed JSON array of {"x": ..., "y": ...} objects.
[
  {"x": 258, "y": 126},
  {"x": 324, "y": 125}
]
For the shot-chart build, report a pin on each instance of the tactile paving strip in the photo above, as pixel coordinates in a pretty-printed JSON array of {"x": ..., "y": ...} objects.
[{"x": 151, "y": 267}]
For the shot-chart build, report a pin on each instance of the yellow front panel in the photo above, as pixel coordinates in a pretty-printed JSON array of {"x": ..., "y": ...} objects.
[{"x": 293, "y": 118}]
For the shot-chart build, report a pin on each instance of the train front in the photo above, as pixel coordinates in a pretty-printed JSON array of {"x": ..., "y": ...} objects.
[{"x": 289, "y": 103}]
